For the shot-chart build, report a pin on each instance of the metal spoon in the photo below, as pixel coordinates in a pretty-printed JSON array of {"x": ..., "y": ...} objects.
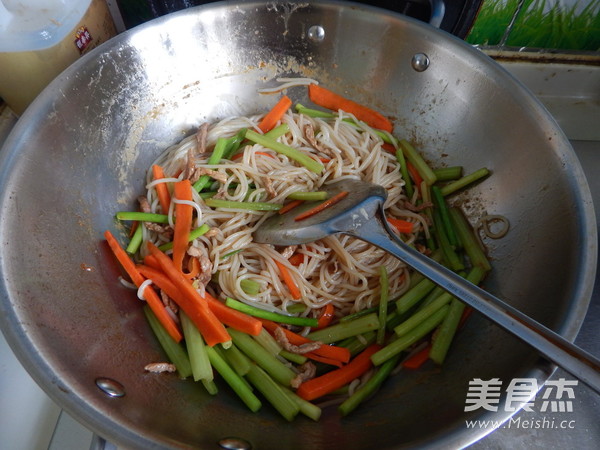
[{"x": 360, "y": 214}]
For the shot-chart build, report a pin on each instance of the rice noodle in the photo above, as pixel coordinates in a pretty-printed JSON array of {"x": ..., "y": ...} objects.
[{"x": 338, "y": 269}]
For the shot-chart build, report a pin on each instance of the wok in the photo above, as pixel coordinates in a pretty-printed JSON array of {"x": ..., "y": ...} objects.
[{"x": 79, "y": 154}]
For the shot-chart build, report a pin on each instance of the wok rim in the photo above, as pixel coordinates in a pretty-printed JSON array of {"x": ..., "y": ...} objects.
[{"x": 44, "y": 374}]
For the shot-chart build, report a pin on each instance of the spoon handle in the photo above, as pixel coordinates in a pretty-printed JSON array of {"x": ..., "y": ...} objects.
[{"x": 557, "y": 349}]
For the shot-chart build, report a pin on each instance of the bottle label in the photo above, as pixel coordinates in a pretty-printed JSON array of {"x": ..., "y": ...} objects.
[{"x": 83, "y": 38}]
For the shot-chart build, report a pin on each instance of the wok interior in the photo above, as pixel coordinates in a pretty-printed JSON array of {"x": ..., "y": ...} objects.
[{"x": 80, "y": 154}]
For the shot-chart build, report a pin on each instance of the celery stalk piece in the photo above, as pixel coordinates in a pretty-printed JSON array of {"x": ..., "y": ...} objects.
[
  {"x": 194, "y": 234},
  {"x": 403, "y": 342},
  {"x": 142, "y": 216},
  {"x": 293, "y": 357},
  {"x": 214, "y": 158},
  {"x": 469, "y": 240},
  {"x": 268, "y": 342},
  {"x": 414, "y": 295},
  {"x": 292, "y": 153},
  {"x": 421, "y": 315},
  {"x": 268, "y": 315},
  {"x": 273, "y": 392},
  {"x": 233, "y": 380},
  {"x": 307, "y": 408},
  {"x": 136, "y": 240},
  {"x": 356, "y": 344},
  {"x": 454, "y": 186},
  {"x": 244, "y": 206},
  {"x": 447, "y": 329},
  {"x": 417, "y": 160},
  {"x": 450, "y": 255},
  {"x": 210, "y": 386},
  {"x": 408, "y": 186},
  {"x": 383, "y": 303},
  {"x": 309, "y": 196},
  {"x": 201, "y": 368},
  {"x": 448, "y": 173},
  {"x": 315, "y": 113},
  {"x": 442, "y": 208},
  {"x": 175, "y": 351},
  {"x": 233, "y": 143},
  {"x": 278, "y": 131},
  {"x": 236, "y": 359},
  {"x": 370, "y": 387},
  {"x": 250, "y": 287},
  {"x": 344, "y": 330},
  {"x": 253, "y": 350}
]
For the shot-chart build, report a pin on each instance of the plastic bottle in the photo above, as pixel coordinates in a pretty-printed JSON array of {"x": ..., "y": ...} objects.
[{"x": 40, "y": 38}]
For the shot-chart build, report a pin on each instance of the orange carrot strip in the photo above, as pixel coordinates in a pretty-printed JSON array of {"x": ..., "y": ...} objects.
[
  {"x": 195, "y": 271},
  {"x": 152, "y": 261},
  {"x": 134, "y": 226},
  {"x": 329, "y": 382},
  {"x": 183, "y": 221},
  {"x": 414, "y": 173},
  {"x": 418, "y": 359},
  {"x": 235, "y": 319},
  {"x": 289, "y": 281},
  {"x": 331, "y": 352},
  {"x": 289, "y": 206},
  {"x": 389, "y": 148},
  {"x": 326, "y": 204},
  {"x": 330, "y": 100},
  {"x": 296, "y": 259},
  {"x": 149, "y": 294},
  {"x": 403, "y": 226},
  {"x": 322, "y": 359},
  {"x": 275, "y": 114},
  {"x": 193, "y": 304},
  {"x": 164, "y": 198},
  {"x": 324, "y": 160},
  {"x": 326, "y": 316}
]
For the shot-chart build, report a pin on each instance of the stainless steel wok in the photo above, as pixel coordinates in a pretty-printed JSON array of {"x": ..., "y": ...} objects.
[{"x": 79, "y": 154}]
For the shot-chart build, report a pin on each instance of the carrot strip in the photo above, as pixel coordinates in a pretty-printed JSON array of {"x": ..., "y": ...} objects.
[
  {"x": 152, "y": 261},
  {"x": 330, "y": 100},
  {"x": 289, "y": 206},
  {"x": 164, "y": 198},
  {"x": 322, "y": 359},
  {"x": 414, "y": 173},
  {"x": 331, "y": 352},
  {"x": 324, "y": 160},
  {"x": 149, "y": 294},
  {"x": 275, "y": 114},
  {"x": 134, "y": 226},
  {"x": 326, "y": 204},
  {"x": 195, "y": 271},
  {"x": 183, "y": 222},
  {"x": 329, "y": 382},
  {"x": 403, "y": 226},
  {"x": 225, "y": 314},
  {"x": 326, "y": 316},
  {"x": 418, "y": 359},
  {"x": 296, "y": 259},
  {"x": 289, "y": 281},
  {"x": 193, "y": 304},
  {"x": 389, "y": 148}
]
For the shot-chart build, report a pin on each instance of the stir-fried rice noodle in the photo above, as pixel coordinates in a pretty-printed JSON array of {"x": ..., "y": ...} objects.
[{"x": 338, "y": 269}]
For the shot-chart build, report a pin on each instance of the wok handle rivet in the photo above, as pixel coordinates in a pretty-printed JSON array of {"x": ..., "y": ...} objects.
[
  {"x": 420, "y": 62},
  {"x": 234, "y": 443},
  {"x": 316, "y": 33},
  {"x": 110, "y": 387}
]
